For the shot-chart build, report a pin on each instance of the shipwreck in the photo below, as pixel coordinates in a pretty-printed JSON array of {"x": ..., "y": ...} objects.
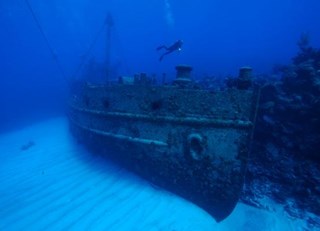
[{"x": 185, "y": 138}]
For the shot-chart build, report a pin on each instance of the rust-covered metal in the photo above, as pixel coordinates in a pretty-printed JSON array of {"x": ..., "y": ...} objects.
[{"x": 191, "y": 141}]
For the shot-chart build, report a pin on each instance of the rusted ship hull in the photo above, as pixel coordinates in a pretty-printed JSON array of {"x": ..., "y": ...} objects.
[{"x": 189, "y": 141}]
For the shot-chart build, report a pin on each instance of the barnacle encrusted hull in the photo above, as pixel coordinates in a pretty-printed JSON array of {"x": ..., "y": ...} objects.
[{"x": 192, "y": 142}]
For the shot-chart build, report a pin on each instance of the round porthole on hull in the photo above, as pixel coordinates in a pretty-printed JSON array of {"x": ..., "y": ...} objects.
[{"x": 195, "y": 146}]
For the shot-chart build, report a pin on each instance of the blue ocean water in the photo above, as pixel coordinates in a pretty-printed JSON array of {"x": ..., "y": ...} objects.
[
  {"x": 44, "y": 44},
  {"x": 219, "y": 37}
]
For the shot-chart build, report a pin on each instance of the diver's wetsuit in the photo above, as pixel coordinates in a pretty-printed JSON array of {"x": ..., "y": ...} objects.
[{"x": 176, "y": 46}]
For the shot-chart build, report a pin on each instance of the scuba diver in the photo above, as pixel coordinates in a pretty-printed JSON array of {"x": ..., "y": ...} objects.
[{"x": 175, "y": 47}]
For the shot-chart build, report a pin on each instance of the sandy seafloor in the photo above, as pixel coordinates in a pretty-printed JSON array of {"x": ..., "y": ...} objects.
[{"x": 57, "y": 185}]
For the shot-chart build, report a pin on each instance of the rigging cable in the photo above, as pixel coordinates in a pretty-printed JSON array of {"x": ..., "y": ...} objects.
[
  {"x": 46, "y": 40},
  {"x": 52, "y": 51},
  {"x": 254, "y": 119},
  {"x": 89, "y": 50}
]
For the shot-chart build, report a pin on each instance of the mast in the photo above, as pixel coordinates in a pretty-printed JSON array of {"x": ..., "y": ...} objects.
[{"x": 110, "y": 24}]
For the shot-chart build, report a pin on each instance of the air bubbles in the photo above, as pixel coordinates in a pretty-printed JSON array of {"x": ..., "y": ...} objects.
[{"x": 168, "y": 14}]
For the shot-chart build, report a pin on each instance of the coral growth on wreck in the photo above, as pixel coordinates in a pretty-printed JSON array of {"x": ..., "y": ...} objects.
[{"x": 286, "y": 148}]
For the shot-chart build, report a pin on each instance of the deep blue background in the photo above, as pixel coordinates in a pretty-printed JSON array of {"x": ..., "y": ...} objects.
[{"x": 219, "y": 37}]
